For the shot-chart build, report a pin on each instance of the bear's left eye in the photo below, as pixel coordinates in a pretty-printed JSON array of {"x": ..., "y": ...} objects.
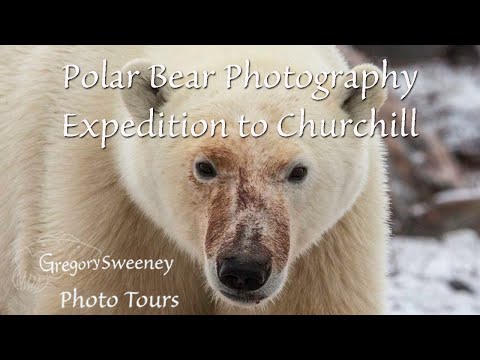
[
  {"x": 205, "y": 170},
  {"x": 297, "y": 174}
]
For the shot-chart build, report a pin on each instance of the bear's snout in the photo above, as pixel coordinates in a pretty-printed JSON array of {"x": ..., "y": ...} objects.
[
  {"x": 243, "y": 273},
  {"x": 247, "y": 240}
]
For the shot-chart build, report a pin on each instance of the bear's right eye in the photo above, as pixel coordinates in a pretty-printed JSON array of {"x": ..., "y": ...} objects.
[{"x": 205, "y": 170}]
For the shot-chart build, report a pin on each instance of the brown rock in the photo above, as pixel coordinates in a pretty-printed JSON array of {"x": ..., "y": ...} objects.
[{"x": 448, "y": 210}]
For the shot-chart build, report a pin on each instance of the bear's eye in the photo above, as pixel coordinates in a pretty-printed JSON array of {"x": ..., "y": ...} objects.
[
  {"x": 297, "y": 174},
  {"x": 205, "y": 170}
]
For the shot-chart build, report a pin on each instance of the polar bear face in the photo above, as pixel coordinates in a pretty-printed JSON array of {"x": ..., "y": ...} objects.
[{"x": 245, "y": 208}]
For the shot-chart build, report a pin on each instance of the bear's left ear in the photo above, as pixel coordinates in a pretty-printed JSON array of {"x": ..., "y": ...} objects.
[
  {"x": 351, "y": 99},
  {"x": 140, "y": 97}
]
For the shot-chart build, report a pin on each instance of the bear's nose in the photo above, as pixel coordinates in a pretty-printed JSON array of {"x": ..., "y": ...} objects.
[{"x": 243, "y": 274}]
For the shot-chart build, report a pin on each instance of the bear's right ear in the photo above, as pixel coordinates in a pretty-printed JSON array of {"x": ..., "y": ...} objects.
[{"x": 140, "y": 97}]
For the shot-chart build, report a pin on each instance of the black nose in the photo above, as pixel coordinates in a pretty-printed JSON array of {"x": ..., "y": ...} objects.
[{"x": 243, "y": 274}]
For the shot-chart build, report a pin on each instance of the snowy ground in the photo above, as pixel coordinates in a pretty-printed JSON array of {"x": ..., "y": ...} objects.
[
  {"x": 435, "y": 276},
  {"x": 441, "y": 276}
]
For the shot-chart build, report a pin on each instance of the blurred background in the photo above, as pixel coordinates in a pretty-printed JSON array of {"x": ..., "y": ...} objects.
[{"x": 434, "y": 263}]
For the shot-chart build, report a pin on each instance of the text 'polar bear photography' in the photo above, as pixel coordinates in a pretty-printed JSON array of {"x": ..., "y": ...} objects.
[{"x": 240, "y": 179}]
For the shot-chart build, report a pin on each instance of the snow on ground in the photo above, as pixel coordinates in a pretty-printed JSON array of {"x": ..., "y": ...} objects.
[
  {"x": 435, "y": 276},
  {"x": 441, "y": 276}
]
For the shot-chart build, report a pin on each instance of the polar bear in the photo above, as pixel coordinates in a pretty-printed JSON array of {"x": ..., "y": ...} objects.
[{"x": 266, "y": 225}]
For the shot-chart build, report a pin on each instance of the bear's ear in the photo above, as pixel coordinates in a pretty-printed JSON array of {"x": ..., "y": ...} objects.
[
  {"x": 351, "y": 98},
  {"x": 140, "y": 97}
]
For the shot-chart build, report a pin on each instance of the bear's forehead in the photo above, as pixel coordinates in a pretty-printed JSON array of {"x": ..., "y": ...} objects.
[{"x": 267, "y": 155}]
